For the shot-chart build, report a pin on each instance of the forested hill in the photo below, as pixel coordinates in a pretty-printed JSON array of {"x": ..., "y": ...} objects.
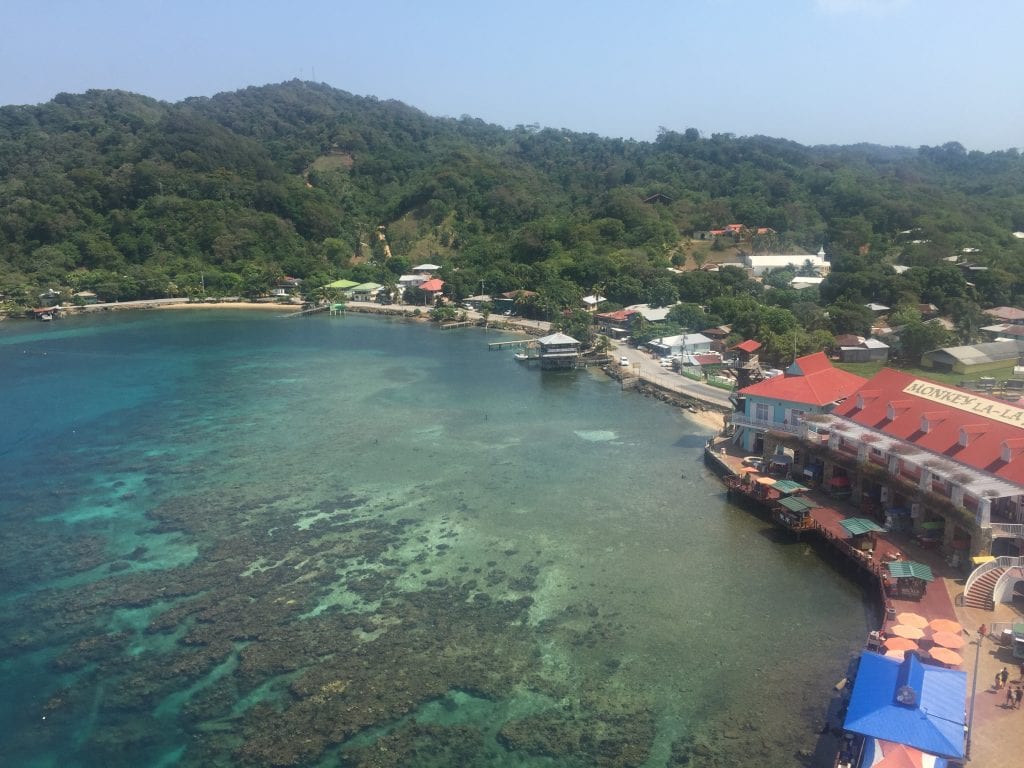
[{"x": 133, "y": 198}]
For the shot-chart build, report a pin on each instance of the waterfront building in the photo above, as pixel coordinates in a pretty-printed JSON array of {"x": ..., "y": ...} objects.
[
  {"x": 557, "y": 350},
  {"x": 777, "y": 406},
  {"x": 365, "y": 291},
  {"x": 908, "y": 704}
]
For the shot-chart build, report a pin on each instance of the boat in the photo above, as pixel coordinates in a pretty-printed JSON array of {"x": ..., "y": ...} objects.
[
  {"x": 46, "y": 316},
  {"x": 521, "y": 356}
]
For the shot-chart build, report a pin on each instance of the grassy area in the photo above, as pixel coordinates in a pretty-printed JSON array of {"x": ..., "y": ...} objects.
[{"x": 867, "y": 370}]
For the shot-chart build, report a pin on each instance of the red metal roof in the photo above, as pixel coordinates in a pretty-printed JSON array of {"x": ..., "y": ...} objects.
[
  {"x": 1006, "y": 313},
  {"x": 432, "y": 285},
  {"x": 750, "y": 346},
  {"x": 618, "y": 316},
  {"x": 811, "y": 380},
  {"x": 987, "y": 426}
]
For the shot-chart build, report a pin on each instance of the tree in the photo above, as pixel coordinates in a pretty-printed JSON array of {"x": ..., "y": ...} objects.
[
  {"x": 690, "y": 316},
  {"x": 917, "y": 338}
]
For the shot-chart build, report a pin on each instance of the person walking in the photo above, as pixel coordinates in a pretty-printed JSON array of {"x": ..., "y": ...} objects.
[
  {"x": 1009, "y": 698},
  {"x": 1004, "y": 675},
  {"x": 1017, "y": 696}
]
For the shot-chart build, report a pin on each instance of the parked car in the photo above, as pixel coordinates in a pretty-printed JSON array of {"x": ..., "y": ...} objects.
[{"x": 623, "y": 361}]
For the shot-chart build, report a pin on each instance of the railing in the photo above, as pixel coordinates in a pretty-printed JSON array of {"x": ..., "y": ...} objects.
[
  {"x": 991, "y": 565},
  {"x": 1011, "y": 574},
  {"x": 1007, "y": 530},
  {"x": 742, "y": 420}
]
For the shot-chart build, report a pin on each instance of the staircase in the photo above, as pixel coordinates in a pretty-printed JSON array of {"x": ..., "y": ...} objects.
[{"x": 979, "y": 594}]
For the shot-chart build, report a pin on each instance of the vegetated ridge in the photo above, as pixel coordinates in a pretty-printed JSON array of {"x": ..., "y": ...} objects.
[{"x": 131, "y": 197}]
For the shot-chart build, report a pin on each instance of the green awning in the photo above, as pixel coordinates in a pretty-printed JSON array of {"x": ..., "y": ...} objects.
[
  {"x": 907, "y": 569},
  {"x": 788, "y": 486},
  {"x": 933, "y": 525},
  {"x": 342, "y": 284},
  {"x": 856, "y": 526},
  {"x": 796, "y": 504}
]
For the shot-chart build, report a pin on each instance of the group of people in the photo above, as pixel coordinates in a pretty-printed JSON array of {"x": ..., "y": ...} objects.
[{"x": 1014, "y": 694}]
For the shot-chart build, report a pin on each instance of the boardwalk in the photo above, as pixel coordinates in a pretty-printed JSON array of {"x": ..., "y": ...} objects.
[{"x": 827, "y": 517}]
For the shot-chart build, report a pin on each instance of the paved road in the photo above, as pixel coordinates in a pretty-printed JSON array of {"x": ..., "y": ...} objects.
[{"x": 649, "y": 369}]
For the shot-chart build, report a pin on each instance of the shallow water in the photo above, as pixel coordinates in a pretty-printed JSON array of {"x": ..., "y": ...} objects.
[{"x": 232, "y": 538}]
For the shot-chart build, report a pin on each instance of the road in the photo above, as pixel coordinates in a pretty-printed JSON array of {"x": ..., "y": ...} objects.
[{"x": 649, "y": 369}]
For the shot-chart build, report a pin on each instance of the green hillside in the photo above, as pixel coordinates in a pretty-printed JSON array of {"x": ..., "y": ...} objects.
[{"x": 135, "y": 198}]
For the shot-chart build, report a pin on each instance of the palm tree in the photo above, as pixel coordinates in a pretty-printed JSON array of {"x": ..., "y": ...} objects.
[{"x": 807, "y": 269}]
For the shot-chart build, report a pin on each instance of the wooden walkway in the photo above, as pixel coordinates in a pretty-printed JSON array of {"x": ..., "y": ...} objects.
[
  {"x": 510, "y": 344},
  {"x": 310, "y": 311},
  {"x": 825, "y": 523}
]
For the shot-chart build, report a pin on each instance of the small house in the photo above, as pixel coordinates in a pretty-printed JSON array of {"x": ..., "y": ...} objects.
[
  {"x": 432, "y": 288},
  {"x": 867, "y": 351},
  {"x": 366, "y": 291}
]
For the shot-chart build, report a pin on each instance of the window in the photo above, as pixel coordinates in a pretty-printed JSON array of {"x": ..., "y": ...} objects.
[{"x": 762, "y": 412}]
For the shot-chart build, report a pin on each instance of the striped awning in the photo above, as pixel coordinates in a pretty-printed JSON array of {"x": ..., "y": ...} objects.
[{"x": 908, "y": 569}]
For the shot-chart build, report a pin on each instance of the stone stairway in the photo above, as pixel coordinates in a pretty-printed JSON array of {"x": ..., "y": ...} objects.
[{"x": 980, "y": 595}]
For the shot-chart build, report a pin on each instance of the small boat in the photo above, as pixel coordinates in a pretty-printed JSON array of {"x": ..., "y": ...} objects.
[
  {"x": 691, "y": 408},
  {"x": 521, "y": 356},
  {"x": 46, "y": 316}
]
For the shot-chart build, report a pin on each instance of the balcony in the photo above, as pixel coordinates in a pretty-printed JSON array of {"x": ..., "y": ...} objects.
[{"x": 742, "y": 420}]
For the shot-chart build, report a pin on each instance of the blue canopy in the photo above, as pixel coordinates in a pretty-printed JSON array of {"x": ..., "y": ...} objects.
[{"x": 910, "y": 703}]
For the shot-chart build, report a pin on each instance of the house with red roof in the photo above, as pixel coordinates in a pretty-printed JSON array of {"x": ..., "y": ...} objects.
[
  {"x": 617, "y": 324},
  {"x": 432, "y": 288},
  {"x": 811, "y": 385}
]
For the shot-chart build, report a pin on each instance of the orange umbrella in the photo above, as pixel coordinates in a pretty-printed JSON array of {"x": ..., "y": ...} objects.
[
  {"x": 948, "y": 640},
  {"x": 766, "y": 480},
  {"x": 900, "y": 644},
  {"x": 946, "y": 656},
  {"x": 945, "y": 625},
  {"x": 913, "y": 619},
  {"x": 907, "y": 631}
]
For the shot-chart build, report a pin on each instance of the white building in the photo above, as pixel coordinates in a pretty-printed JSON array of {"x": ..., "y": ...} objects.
[
  {"x": 686, "y": 343},
  {"x": 759, "y": 263}
]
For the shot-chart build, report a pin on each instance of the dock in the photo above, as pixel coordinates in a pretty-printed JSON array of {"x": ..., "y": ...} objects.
[
  {"x": 459, "y": 324},
  {"x": 510, "y": 344},
  {"x": 309, "y": 311},
  {"x": 822, "y": 523}
]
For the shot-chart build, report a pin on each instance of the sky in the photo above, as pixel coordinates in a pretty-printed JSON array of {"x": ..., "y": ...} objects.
[{"x": 891, "y": 72}]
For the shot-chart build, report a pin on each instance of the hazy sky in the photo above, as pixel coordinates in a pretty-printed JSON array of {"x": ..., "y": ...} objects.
[{"x": 905, "y": 72}]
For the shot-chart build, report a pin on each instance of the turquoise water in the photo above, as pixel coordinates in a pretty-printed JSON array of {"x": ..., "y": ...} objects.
[{"x": 231, "y": 538}]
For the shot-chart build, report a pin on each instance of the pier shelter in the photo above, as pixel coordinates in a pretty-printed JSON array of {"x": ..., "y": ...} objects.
[{"x": 558, "y": 351}]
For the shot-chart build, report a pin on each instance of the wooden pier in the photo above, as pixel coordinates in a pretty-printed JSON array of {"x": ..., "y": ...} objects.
[
  {"x": 309, "y": 311},
  {"x": 460, "y": 324},
  {"x": 510, "y": 344}
]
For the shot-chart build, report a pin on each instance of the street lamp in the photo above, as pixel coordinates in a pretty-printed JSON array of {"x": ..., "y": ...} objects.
[{"x": 974, "y": 695}]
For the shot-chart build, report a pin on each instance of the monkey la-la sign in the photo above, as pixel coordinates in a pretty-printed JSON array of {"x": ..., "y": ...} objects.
[{"x": 980, "y": 406}]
